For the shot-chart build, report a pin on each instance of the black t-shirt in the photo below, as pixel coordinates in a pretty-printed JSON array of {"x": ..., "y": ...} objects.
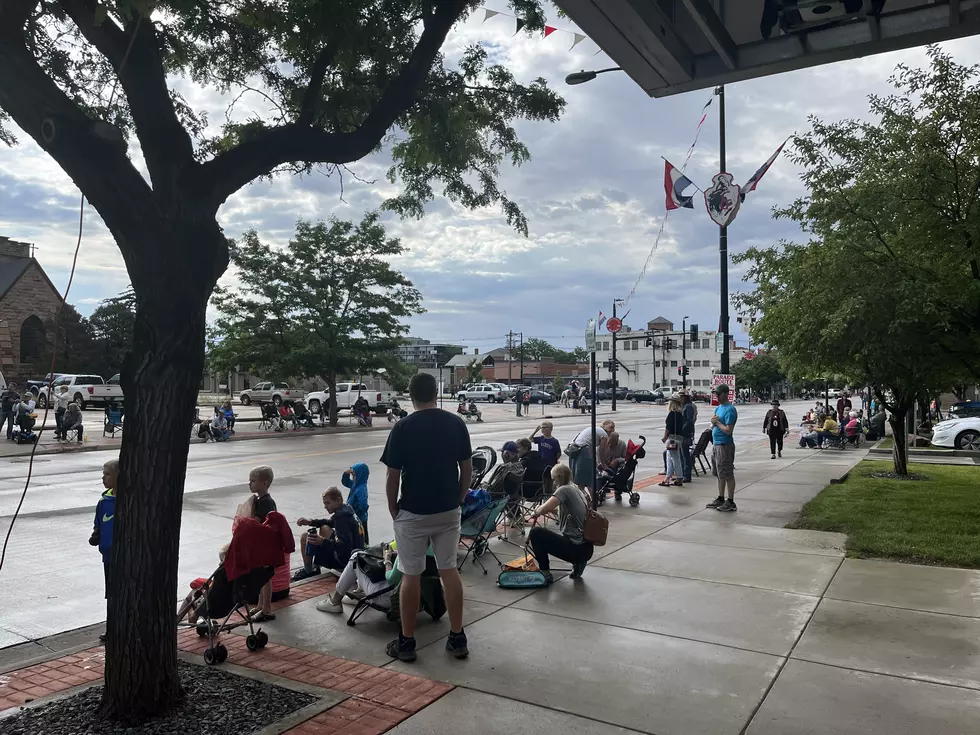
[
  {"x": 264, "y": 506},
  {"x": 427, "y": 446},
  {"x": 675, "y": 422}
]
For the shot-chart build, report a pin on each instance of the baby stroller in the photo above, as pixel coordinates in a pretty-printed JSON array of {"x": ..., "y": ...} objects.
[
  {"x": 484, "y": 459},
  {"x": 620, "y": 481},
  {"x": 233, "y": 587},
  {"x": 387, "y": 600},
  {"x": 271, "y": 418}
]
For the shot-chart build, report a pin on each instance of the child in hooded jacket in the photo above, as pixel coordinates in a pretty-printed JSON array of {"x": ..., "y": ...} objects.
[{"x": 356, "y": 478}]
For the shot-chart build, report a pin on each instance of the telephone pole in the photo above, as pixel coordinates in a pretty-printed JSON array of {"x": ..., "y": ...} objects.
[
  {"x": 723, "y": 240},
  {"x": 510, "y": 357},
  {"x": 613, "y": 367},
  {"x": 521, "y": 334}
]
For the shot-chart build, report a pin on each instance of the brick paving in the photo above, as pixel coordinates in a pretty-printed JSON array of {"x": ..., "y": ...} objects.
[{"x": 379, "y": 698}]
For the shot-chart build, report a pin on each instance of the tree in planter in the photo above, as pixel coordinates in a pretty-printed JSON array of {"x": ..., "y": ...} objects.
[
  {"x": 474, "y": 371},
  {"x": 759, "y": 375},
  {"x": 326, "y": 306},
  {"x": 558, "y": 385},
  {"x": 84, "y": 78}
]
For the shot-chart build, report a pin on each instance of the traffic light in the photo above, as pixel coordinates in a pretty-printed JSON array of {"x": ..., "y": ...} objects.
[
  {"x": 680, "y": 370},
  {"x": 694, "y": 332},
  {"x": 649, "y": 342}
]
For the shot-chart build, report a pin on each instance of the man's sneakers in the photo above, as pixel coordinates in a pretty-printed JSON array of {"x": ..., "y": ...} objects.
[
  {"x": 306, "y": 574},
  {"x": 780, "y": 453},
  {"x": 332, "y": 604},
  {"x": 727, "y": 507},
  {"x": 402, "y": 648},
  {"x": 774, "y": 456},
  {"x": 456, "y": 644}
]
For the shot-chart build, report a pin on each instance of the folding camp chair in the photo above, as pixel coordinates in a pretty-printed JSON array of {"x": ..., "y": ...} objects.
[
  {"x": 479, "y": 529},
  {"x": 113, "y": 420},
  {"x": 699, "y": 453}
]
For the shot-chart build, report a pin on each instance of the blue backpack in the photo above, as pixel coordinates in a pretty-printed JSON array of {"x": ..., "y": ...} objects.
[{"x": 476, "y": 500}]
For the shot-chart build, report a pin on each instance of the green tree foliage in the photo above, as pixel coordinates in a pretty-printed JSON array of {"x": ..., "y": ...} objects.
[
  {"x": 75, "y": 347},
  {"x": 887, "y": 290},
  {"x": 112, "y": 325},
  {"x": 474, "y": 371},
  {"x": 326, "y": 306},
  {"x": 760, "y": 375},
  {"x": 399, "y": 375},
  {"x": 87, "y": 79}
]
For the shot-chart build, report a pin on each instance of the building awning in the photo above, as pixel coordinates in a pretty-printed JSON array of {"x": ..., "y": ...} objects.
[{"x": 673, "y": 46}]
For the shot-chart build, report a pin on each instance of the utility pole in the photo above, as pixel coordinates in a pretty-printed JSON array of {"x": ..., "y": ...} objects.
[
  {"x": 614, "y": 365},
  {"x": 684, "y": 352},
  {"x": 665, "y": 343},
  {"x": 510, "y": 357},
  {"x": 723, "y": 239},
  {"x": 522, "y": 357}
]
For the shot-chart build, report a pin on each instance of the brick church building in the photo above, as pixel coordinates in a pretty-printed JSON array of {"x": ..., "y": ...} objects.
[{"x": 28, "y": 305}]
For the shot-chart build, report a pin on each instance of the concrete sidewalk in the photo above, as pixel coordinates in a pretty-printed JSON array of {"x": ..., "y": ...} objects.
[{"x": 688, "y": 622}]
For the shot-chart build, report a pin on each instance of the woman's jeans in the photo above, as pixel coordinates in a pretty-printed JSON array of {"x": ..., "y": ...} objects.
[
  {"x": 675, "y": 468},
  {"x": 775, "y": 442},
  {"x": 59, "y": 422},
  {"x": 545, "y": 542}
]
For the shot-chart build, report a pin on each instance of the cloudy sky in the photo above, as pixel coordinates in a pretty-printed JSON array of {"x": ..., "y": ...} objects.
[{"x": 593, "y": 194}]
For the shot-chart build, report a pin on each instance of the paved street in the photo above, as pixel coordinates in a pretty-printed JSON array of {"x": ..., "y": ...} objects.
[{"x": 688, "y": 621}]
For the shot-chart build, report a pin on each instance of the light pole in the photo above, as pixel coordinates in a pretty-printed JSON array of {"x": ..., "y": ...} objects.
[
  {"x": 581, "y": 77},
  {"x": 684, "y": 352},
  {"x": 614, "y": 366}
]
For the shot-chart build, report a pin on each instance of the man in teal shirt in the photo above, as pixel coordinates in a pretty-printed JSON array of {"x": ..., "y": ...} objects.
[{"x": 723, "y": 451}]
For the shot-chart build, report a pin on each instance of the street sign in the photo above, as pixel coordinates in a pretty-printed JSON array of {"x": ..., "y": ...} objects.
[
  {"x": 720, "y": 342},
  {"x": 614, "y": 324},
  {"x": 749, "y": 356},
  {"x": 728, "y": 380},
  {"x": 590, "y": 336}
]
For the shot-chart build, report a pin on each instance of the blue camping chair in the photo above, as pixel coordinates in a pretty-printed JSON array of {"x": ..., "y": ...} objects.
[
  {"x": 113, "y": 420},
  {"x": 478, "y": 529}
]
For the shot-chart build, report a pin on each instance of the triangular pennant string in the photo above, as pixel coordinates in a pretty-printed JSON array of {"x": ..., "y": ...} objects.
[
  {"x": 488, "y": 14},
  {"x": 578, "y": 38},
  {"x": 520, "y": 24},
  {"x": 548, "y": 30}
]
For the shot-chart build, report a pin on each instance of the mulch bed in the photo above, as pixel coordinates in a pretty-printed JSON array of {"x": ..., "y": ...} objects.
[
  {"x": 912, "y": 476},
  {"x": 218, "y": 703}
]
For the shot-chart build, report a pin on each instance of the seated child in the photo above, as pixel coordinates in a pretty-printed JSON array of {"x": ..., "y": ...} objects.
[
  {"x": 355, "y": 576},
  {"x": 303, "y": 415},
  {"x": 356, "y": 478},
  {"x": 219, "y": 425},
  {"x": 331, "y": 541},
  {"x": 229, "y": 413}
]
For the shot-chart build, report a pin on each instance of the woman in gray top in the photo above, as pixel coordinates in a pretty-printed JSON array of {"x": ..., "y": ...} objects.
[{"x": 570, "y": 544}]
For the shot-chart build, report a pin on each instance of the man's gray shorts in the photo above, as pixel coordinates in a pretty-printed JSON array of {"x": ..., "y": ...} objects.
[
  {"x": 723, "y": 461},
  {"x": 415, "y": 533}
]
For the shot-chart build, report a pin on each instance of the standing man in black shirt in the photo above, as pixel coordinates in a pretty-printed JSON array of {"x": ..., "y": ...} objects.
[{"x": 428, "y": 456}]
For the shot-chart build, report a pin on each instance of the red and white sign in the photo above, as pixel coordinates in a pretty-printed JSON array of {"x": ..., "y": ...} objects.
[
  {"x": 717, "y": 380},
  {"x": 614, "y": 324},
  {"x": 749, "y": 356}
]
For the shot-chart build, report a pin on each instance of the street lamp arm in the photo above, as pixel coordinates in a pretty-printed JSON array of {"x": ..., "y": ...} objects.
[{"x": 581, "y": 77}]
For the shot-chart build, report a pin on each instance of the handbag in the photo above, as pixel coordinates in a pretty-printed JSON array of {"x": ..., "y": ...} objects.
[
  {"x": 596, "y": 527},
  {"x": 573, "y": 450}
]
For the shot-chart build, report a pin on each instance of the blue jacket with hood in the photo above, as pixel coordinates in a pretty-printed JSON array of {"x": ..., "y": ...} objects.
[
  {"x": 357, "y": 499},
  {"x": 105, "y": 511}
]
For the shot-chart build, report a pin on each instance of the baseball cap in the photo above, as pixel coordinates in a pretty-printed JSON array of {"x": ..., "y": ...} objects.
[
  {"x": 721, "y": 388},
  {"x": 509, "y": 447}
]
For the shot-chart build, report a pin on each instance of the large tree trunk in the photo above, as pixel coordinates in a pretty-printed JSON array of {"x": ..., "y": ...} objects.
[
  {"x": 160, "y": 378},
  {"x": 900, "y": 445}
]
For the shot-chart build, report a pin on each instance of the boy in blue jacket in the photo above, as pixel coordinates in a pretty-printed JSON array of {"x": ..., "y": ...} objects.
[
  {"x": 356, "y": 478},
  {"x": 105, "y": 512}
]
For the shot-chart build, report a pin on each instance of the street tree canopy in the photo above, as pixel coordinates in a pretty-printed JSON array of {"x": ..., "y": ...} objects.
[
  {"x": 88, "y": 80},
  {"x": 759, "y": 374},
  {"x": 887, "y": 290},
  {"x": 328, "y": 305}
]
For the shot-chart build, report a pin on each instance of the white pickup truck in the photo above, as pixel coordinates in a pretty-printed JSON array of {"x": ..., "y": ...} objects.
[
  {"x": 347, "y": 395},
  {"x": 84, "y": 390}
]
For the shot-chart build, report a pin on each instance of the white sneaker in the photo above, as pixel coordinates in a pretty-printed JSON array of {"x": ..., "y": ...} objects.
[
  {"x": 333, "y": 572},
  {"x": 330, "y": 605}
]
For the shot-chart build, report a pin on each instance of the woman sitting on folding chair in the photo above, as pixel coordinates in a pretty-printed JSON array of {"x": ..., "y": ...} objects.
[{"x": 570, "y": 544}]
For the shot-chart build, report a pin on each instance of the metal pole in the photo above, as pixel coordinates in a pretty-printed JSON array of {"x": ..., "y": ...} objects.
[
  {"x": 522, "y": 357},
  {"x": 613, "y": 365},
  {"x": 442, "y": 388},
  {"x": 684, "y": 353},
  {"x": 595, "y": 443},
  {"x": 510, "y": 357},
  {"x": 723, "y": 239}
]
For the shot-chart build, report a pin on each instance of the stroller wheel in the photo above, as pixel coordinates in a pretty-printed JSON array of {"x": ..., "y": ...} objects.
[
  {"x": 634, "y": 499},
  {"x": 252, "y": 643},
  {"x": 202, "y": 630},
  {"x": 262, "y": 638},
  {"x": 221, "y": 652},
  {"x": 210, "y": 657}
]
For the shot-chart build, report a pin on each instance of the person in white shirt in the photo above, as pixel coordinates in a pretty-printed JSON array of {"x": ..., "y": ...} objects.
[
  {"x": 61, "y": 401},
  {"x": 581, "y": 462}
]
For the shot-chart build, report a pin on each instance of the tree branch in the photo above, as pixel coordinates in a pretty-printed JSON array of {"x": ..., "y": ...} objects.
[
  {"x": 91, "y": 152},
  {"x": 134, "y": 54},
  {"x": 230, "y": 171},
  {"x": 311, "y": 98}
]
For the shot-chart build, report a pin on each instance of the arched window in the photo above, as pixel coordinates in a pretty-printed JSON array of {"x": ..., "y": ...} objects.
[{"x": 32, "y": 339}]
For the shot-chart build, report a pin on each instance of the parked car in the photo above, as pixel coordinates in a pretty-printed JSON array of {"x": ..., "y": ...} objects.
[
  {"x": 83, "y": 389},
  {"x": 482, "y": 392},
  {"x": 541, "y": 396},
  {"x": 347, "y": 395},
  {"x": 644, "y": 396},
  {"x": 959, "y": 433},
  {"x": 34, "y": 386},
  {"x": 270, "y": 392},
  {"x": 964, "y": 409}
]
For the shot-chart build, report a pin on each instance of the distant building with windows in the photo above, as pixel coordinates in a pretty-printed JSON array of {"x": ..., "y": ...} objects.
[
  {"x": 651, "y": 358},
  {"x": 425, "y": 354}
]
